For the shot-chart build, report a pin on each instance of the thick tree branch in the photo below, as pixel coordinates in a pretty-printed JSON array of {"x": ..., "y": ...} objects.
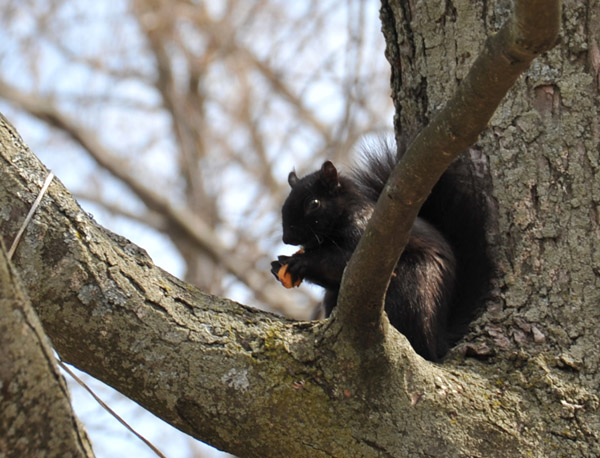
[
  {"x": 36, "y": 411},
  {"x": 531, "y": 30}
]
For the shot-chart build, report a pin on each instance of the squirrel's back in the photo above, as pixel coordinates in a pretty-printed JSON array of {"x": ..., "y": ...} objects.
[{"x": 457, "y": 208}]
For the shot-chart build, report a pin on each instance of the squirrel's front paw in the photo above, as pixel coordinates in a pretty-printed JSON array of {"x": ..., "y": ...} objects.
[
  {"x": 286, "y": 278},
  {"x": 296, "y": 265},
  {"x": 280, "y": 269}
]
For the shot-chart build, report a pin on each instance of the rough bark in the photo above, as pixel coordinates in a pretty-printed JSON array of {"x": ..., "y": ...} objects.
[
  {"x": 37, "y": 419},
  {"x": 541, "y": 152}
]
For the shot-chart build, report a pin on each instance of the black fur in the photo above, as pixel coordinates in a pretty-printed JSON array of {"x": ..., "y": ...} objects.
[{"x": 327, "y": 212}]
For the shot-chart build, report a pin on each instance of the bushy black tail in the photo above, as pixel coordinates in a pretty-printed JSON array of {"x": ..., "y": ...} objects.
[
  {"x": 458, "y": 209},
  {"x": 371, "y": 172}
]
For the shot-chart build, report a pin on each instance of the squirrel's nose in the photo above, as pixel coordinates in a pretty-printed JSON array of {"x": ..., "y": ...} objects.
[{"x": 290, "y": 237}]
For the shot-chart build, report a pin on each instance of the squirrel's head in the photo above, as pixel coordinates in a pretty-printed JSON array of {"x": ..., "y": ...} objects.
[{"x": 313, "y": 208}]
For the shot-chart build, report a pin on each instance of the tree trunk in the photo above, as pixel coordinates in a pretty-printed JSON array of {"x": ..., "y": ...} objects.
[
  {"x": 541, "y": 153},
  {"x": 258, "y": 385}
]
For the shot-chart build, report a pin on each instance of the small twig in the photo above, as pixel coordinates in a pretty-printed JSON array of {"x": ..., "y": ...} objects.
[
  {"x": 32, "y": 210},
  {"x": 108, "y": 409}
]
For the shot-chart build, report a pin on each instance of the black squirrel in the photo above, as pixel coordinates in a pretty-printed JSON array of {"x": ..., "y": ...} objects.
[{"x": 443, "y": 273}]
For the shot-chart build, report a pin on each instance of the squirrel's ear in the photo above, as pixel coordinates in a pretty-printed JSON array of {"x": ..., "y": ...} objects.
[
  {"x": 329, "y": 174},
  {"x": 292, "y": 179}
]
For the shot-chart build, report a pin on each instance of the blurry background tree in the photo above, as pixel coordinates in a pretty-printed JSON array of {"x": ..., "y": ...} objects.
[{"x": 176, "y": 122}]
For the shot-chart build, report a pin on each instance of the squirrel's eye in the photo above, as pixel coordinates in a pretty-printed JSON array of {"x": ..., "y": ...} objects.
[{"x": 313, "y": 205}]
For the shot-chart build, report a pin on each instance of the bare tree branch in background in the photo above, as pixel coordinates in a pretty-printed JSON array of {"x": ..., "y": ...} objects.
[
  {"x": 181, "y": 223},
  {"x": 209, "y": 163}
]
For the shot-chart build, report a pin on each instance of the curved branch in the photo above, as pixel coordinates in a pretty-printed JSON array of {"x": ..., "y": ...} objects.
[{"x": 531, "y": 30}]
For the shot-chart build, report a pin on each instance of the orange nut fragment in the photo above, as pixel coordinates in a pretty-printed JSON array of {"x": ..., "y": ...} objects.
[{"x": 286, "y": 278}]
